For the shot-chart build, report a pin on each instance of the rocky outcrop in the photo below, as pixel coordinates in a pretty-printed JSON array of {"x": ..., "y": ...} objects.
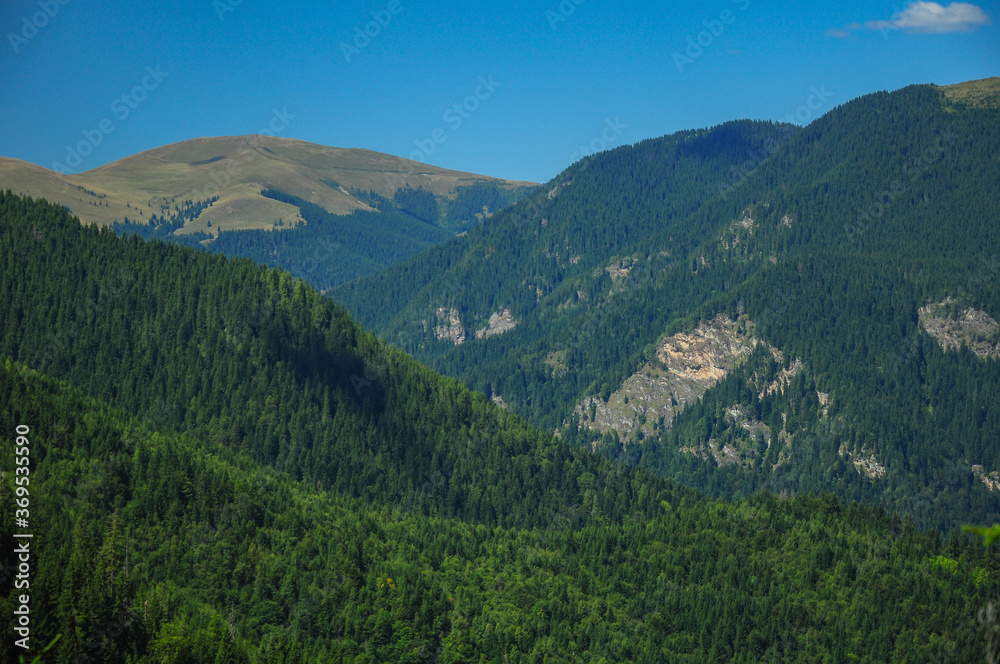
[
  {"x": 991, "y": 480},
  {"x": 824, "y": 402},
  {"x": 864, "y": 462},
  {"x": 870, "y": 466},
  {"x": 783, "y": 378},
  {"x": 953, "y": 327},
  {"x": 620, "y": 269},
  {"x": 556, "y": 360},
  {"x": 738, "y": 229},
  {"x": 745, "y": 221},
  {"x": 686, "y": 365},
  {"x": 500, "y": 322},
  {"x": 724, "y": 456},
  {"x": 448, "y": 326}
]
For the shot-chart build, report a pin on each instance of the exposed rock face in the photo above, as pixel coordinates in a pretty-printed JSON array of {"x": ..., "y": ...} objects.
[
  {"x": 991, "y": 480},
  {"x": 620, "y": 269},
  {"x": 783, "y": 378},
  {"x": 953, "y": 327},
  {"x": 744, "y": 225},
  {"x": 685, "y": 367},
  {"x": 870, "y": 466},
  {"x": 746, "y": 221},
  {"x": 723, "y": 457},
  {"x": 449, "y": 326},
  {"x": 865, "y": 462},
  {"x": 824, "y": 402},
  {"x": 736, "y": 414},
  {"x": 500, "y": 322}
]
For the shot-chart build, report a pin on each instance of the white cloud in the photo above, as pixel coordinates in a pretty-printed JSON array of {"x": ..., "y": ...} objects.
[{"x": 927, "y": 18}]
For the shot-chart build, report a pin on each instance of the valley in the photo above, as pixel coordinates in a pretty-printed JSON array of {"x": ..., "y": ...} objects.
[
  {"x": 269, "y": 480},
  {"x": 332, "y": 405},
  {"x": 627, "y": 251}
]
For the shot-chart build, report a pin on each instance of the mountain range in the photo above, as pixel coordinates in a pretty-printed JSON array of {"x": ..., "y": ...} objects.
[
  {"x": 325, "y": 214},
  {"x": 236, "y": 169},
  {"x": 754, "y": 305},
  {"x": 223, "y": 468},
  {"x": 725, "y": 395}
]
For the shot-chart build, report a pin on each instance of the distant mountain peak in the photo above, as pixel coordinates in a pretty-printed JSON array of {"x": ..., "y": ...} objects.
[
  {"x": 982, "y": 93},
  {"x": 236, "y": 169}
]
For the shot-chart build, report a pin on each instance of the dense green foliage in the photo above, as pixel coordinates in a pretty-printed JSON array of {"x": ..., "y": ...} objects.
[
  {"x": 226, "y": 468},
  {"x": 330, "y": 249},
  {"x": 418, "y": 202},
  {"x": 479, "y": 200},
  {"x": 259, "y": 362},
  {"x": 165, "y": 548},
  {"x": 597, "y": 209},
  {"x": 872, "y": 211}
]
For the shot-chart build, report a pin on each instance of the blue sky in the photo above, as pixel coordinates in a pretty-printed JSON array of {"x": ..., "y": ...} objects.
[{"x": 518, "y": 89}]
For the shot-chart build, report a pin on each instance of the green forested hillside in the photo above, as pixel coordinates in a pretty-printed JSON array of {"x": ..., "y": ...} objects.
[
  {"x": 259, "y": 362},
  {"x": 330, "y": 249},
  {"x": 159, "y": 547},
  {"x": 828, "y": 238},
  {"x": 251, "y": 477},
  {"x": 597, "y": 210}
]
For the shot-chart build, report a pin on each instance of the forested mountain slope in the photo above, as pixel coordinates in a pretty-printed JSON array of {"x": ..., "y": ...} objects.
[
  {"x": 258, "y": 362},
  {"x": 577, "y": 230},
  {"x": 824, "y": 245},
  {"x": 329, "y": 249},
  {"x": 158, "y": 547},
  {"x": 254, "y": 477}
]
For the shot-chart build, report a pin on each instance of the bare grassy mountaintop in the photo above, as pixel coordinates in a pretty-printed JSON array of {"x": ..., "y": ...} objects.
[
  {"x": 983, "y": 93},
  {"x": 235, "y": 168}
]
